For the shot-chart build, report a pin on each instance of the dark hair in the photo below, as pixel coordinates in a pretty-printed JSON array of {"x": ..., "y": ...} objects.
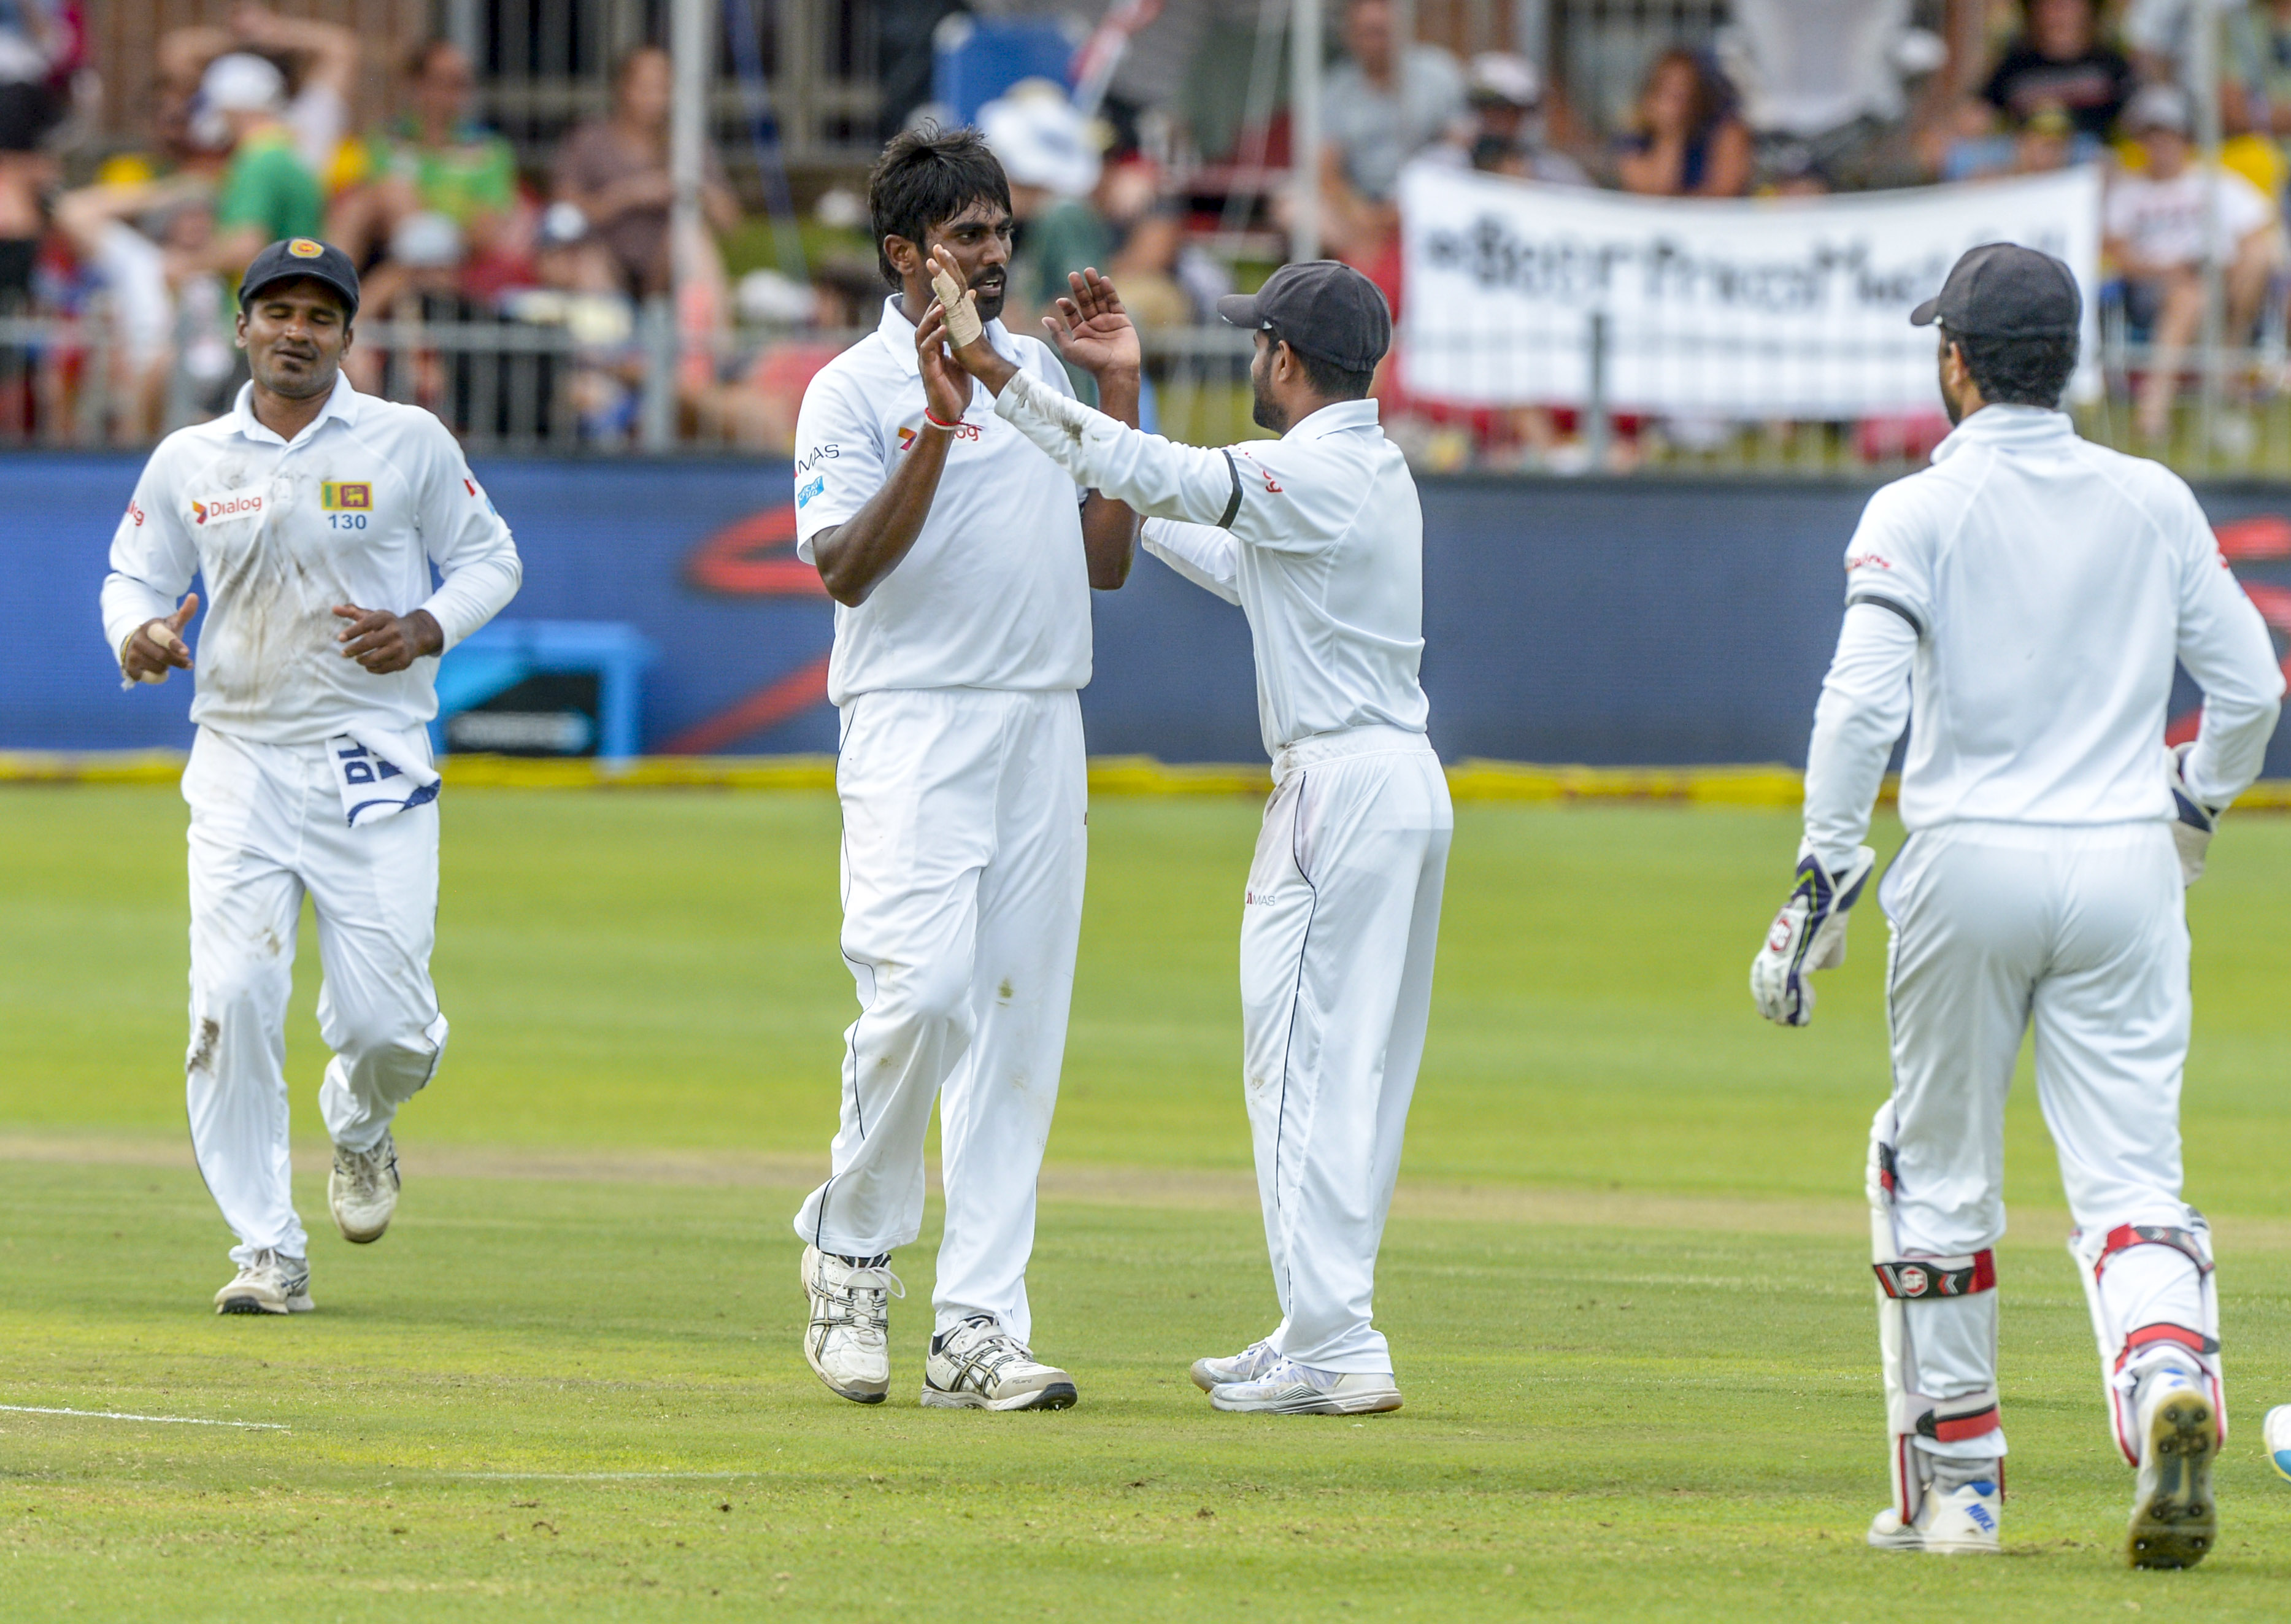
[
  {"x": 925, "y": 176},
  {"x": 1327, "y": 378},
  {"x": 2017, "y": 371},
  {"x": 1713, "y": 92}
]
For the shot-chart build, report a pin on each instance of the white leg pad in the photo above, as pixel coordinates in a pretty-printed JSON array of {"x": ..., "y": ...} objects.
[
  {"x": 2153, "y": 1301},
  {"x": 1955, "y": 1304}
]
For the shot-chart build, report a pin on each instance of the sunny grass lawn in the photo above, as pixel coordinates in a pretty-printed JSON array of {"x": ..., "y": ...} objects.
[{"x": 1629, "y": 1423}]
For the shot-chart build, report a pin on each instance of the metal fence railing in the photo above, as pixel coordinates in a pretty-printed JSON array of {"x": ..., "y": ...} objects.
[{"x": 560, "y": 375}]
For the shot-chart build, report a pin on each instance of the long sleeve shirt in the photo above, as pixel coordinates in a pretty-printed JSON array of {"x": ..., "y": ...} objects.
[
  {"x": 367, "y": 498},
  {"x": 2020, "y": 604},
  {"x": 1317, "y": 536}
]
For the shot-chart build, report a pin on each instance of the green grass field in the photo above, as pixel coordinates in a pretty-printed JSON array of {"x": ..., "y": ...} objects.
[{"x": 1627, "y": 1279}]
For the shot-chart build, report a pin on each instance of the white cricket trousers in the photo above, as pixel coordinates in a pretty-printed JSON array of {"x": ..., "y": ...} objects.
[
  {"x": 1337, "y": 932},
  {"x": 266, "y": 829},
  {"x": 2082, "y": 931},
  {"x": 964, "y": 848}
]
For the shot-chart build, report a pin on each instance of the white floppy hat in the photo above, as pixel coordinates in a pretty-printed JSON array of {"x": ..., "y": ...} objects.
[
  {"x": 241, "y": 82},
  {"x": 1040, "y": 138}
]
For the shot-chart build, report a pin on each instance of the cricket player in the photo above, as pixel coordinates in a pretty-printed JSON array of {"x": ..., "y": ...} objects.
[
  {"x": 2020, "y": 604},
  {"x": 316, "y": 515},
  {"x": 962, "y": 565},
  {"x": 1318, "y": 537}
]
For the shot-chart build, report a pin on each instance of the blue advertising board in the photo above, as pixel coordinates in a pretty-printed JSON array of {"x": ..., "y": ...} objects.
[{"x": 1644, "y": 622}]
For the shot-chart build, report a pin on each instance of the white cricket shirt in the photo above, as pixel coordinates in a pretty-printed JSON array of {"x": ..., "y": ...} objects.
[
  {"x": 2021, "y": 603},
  {"x": 995, "y": 591},
  {"x": 367, "y": 497},
  {"x": 1317, "y": 536}
]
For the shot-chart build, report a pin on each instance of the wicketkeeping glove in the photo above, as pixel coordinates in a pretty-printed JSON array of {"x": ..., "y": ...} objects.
[
  {"x": 2192, "y": 832},
  {"x": 1808, "y": 935}
]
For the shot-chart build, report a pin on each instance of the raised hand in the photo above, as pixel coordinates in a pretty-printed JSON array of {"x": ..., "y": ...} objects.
[
  {"x": 157, "y": 647},
  {"x": 946, "y": 387},
  {"x": 1091, "y": 329},
  {"x": 972, "y": 353}
]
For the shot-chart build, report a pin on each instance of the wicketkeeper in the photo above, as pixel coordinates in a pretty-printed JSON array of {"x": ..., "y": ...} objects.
[{"x": 2020, "y": 604}]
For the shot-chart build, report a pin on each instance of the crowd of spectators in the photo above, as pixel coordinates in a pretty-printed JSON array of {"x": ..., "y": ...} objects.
[{"x": 252, "y": 135}]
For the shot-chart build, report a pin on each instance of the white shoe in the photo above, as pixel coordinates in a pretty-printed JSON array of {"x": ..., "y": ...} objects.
[
  {"x": 1289, "y": 1388},
  {"x": 2276, "y": 1430},
  {"x": 362, "y": 1191},
  {"x": 849, "y": 1343},
  {"x": 1257, "y": 1359},
  {"x": 1961, "y": 1523},
  {"x": 979, "y": 1366},
  {"x": 272, "y": 1284},
  {"x": 2175, "y": 1520}
]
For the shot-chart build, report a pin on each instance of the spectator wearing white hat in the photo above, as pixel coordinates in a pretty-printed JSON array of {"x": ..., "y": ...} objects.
[
  {"x": 268, "y": 192},
  {"x": 1046, "y": 148},
  {"x": 1505, "y": 133},
  {"x": 2153, "y": 230}
]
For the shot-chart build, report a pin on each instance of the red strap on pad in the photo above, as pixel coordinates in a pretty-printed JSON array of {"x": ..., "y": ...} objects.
[{"x": 1913, "y": 1279}]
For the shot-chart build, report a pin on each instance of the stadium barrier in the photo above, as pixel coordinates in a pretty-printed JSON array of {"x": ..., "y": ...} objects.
[{"x": 1615, "y": 624}]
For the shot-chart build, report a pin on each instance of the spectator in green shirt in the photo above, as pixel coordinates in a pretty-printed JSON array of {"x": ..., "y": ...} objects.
[
  {"x": 434, "y": 160},
  {"x": 268, "y": 191}
]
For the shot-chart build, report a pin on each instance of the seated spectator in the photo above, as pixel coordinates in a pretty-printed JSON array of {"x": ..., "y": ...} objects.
[
  {"x": 2058, "y": 61},
  {"x": 757, "y": 411},
  {"x": 2046, "y": 139},
  {"x": 1821, "y": 86},
  {"x": 146, "y": 242},
  {"x": 268, "y": 191},
  {"x": 1379, "y": 107},
  {"x": 1685, "y": 140},
  {"x": 1164, "y": 281},
  {"x": 434, "y": 159},
  {"x": 1503, "y": 132},
  {"x": 615, "y": 170},
  {"x": 2152, "y": 229}
]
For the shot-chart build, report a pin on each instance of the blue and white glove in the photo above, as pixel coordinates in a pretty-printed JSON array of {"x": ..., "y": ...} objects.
[
  {"x": 2192, "y": 832},
  {"x": 1808, "y": 935}
]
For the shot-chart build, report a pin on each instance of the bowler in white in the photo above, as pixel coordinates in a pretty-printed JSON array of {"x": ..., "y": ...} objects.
[
  {"x": 2020, "y": 605},
  {"x": 314, "y": 515},
  {"x": 962, "y": 565},
  {"x": 1318, "y": 537}
]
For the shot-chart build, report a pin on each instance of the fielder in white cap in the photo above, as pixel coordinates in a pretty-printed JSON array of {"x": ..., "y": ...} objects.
[
  {"x": 1318, "y": 537},
  {"x": 2020, "y": 604},
  {"x": 316, "y": 516}
]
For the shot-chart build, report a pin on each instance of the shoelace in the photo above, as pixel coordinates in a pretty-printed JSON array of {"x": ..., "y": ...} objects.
[
  {"x": 267, "y": 1260},
  {"x": 865, "y": 1300},
  {"x": 984, "y": 1358},
  {"x": 365, "y": 1168}
]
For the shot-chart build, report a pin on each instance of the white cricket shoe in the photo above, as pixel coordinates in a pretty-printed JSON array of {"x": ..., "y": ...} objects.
[
  {"x": 849, "y": 1343},
  {"x": 2276, "y": 1430},
  {"x": 1257, "y": 1359},
  {"x": 272, "y": 1283},
  {"x": 1961, "y": 1523},
  {"x": 362, "y": 1191},
  {"x": 2175, "y": 1520},
  {"x": 1289, "y": 1388},
  {"x": 979, "y": 1366}
]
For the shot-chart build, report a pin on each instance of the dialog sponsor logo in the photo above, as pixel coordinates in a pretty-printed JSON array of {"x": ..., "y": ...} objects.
[{"x": 238, "y": 504}]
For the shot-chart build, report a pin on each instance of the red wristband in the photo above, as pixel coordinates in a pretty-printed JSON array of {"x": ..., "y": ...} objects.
[{"x": 934, "y": 423}]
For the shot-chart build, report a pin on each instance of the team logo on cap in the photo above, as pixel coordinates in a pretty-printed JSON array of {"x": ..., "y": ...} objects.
[{"x": 303, "y": 248}]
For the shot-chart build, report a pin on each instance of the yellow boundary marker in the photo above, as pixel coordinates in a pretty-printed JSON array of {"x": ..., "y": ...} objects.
[{"x": 1772, "y": 785}]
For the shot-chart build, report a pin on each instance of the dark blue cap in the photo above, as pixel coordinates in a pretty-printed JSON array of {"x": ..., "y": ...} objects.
[
  {"x": 301, "y": 256},
  {"x": 2002, "y": 290},
  {"x": 1321, "y": 307}
]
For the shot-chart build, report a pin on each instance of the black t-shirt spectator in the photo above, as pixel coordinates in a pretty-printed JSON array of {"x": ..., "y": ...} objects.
[{"x": 2091, "y": 89}]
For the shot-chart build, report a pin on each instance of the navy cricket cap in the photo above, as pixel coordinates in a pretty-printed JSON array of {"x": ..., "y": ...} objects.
[
  {"x": 301, "y": 256},
  {"x": 1321, "y": 307},
  {"x": 2002, "y": 290}
]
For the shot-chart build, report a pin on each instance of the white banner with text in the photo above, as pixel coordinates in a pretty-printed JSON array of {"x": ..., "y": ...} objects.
[{"x": 1518, "y": 293}]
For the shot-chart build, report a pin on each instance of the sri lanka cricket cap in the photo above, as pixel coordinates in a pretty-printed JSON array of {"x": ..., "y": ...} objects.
[
  {"x": 301, "y": 256},
  {"x": 1321, "y": 307},
  {"x": 2001, "y": 290}
]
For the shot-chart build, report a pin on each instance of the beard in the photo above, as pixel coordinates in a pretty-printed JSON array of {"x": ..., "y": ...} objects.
[
  {"x": 991, "y": 297},
  {"x": 1264, "y": 411}
]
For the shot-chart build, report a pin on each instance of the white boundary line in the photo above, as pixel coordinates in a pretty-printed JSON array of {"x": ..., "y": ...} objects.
[{"x": 172, "y": 1421}]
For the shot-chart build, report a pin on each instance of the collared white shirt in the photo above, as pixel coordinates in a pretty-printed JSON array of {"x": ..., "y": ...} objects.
[
  {"x": 1317, "y": 536},
  {"x": 995, "y": 591},
  {"x": 356, "y": 511},
  {"x": 2021, "y": 603}
]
